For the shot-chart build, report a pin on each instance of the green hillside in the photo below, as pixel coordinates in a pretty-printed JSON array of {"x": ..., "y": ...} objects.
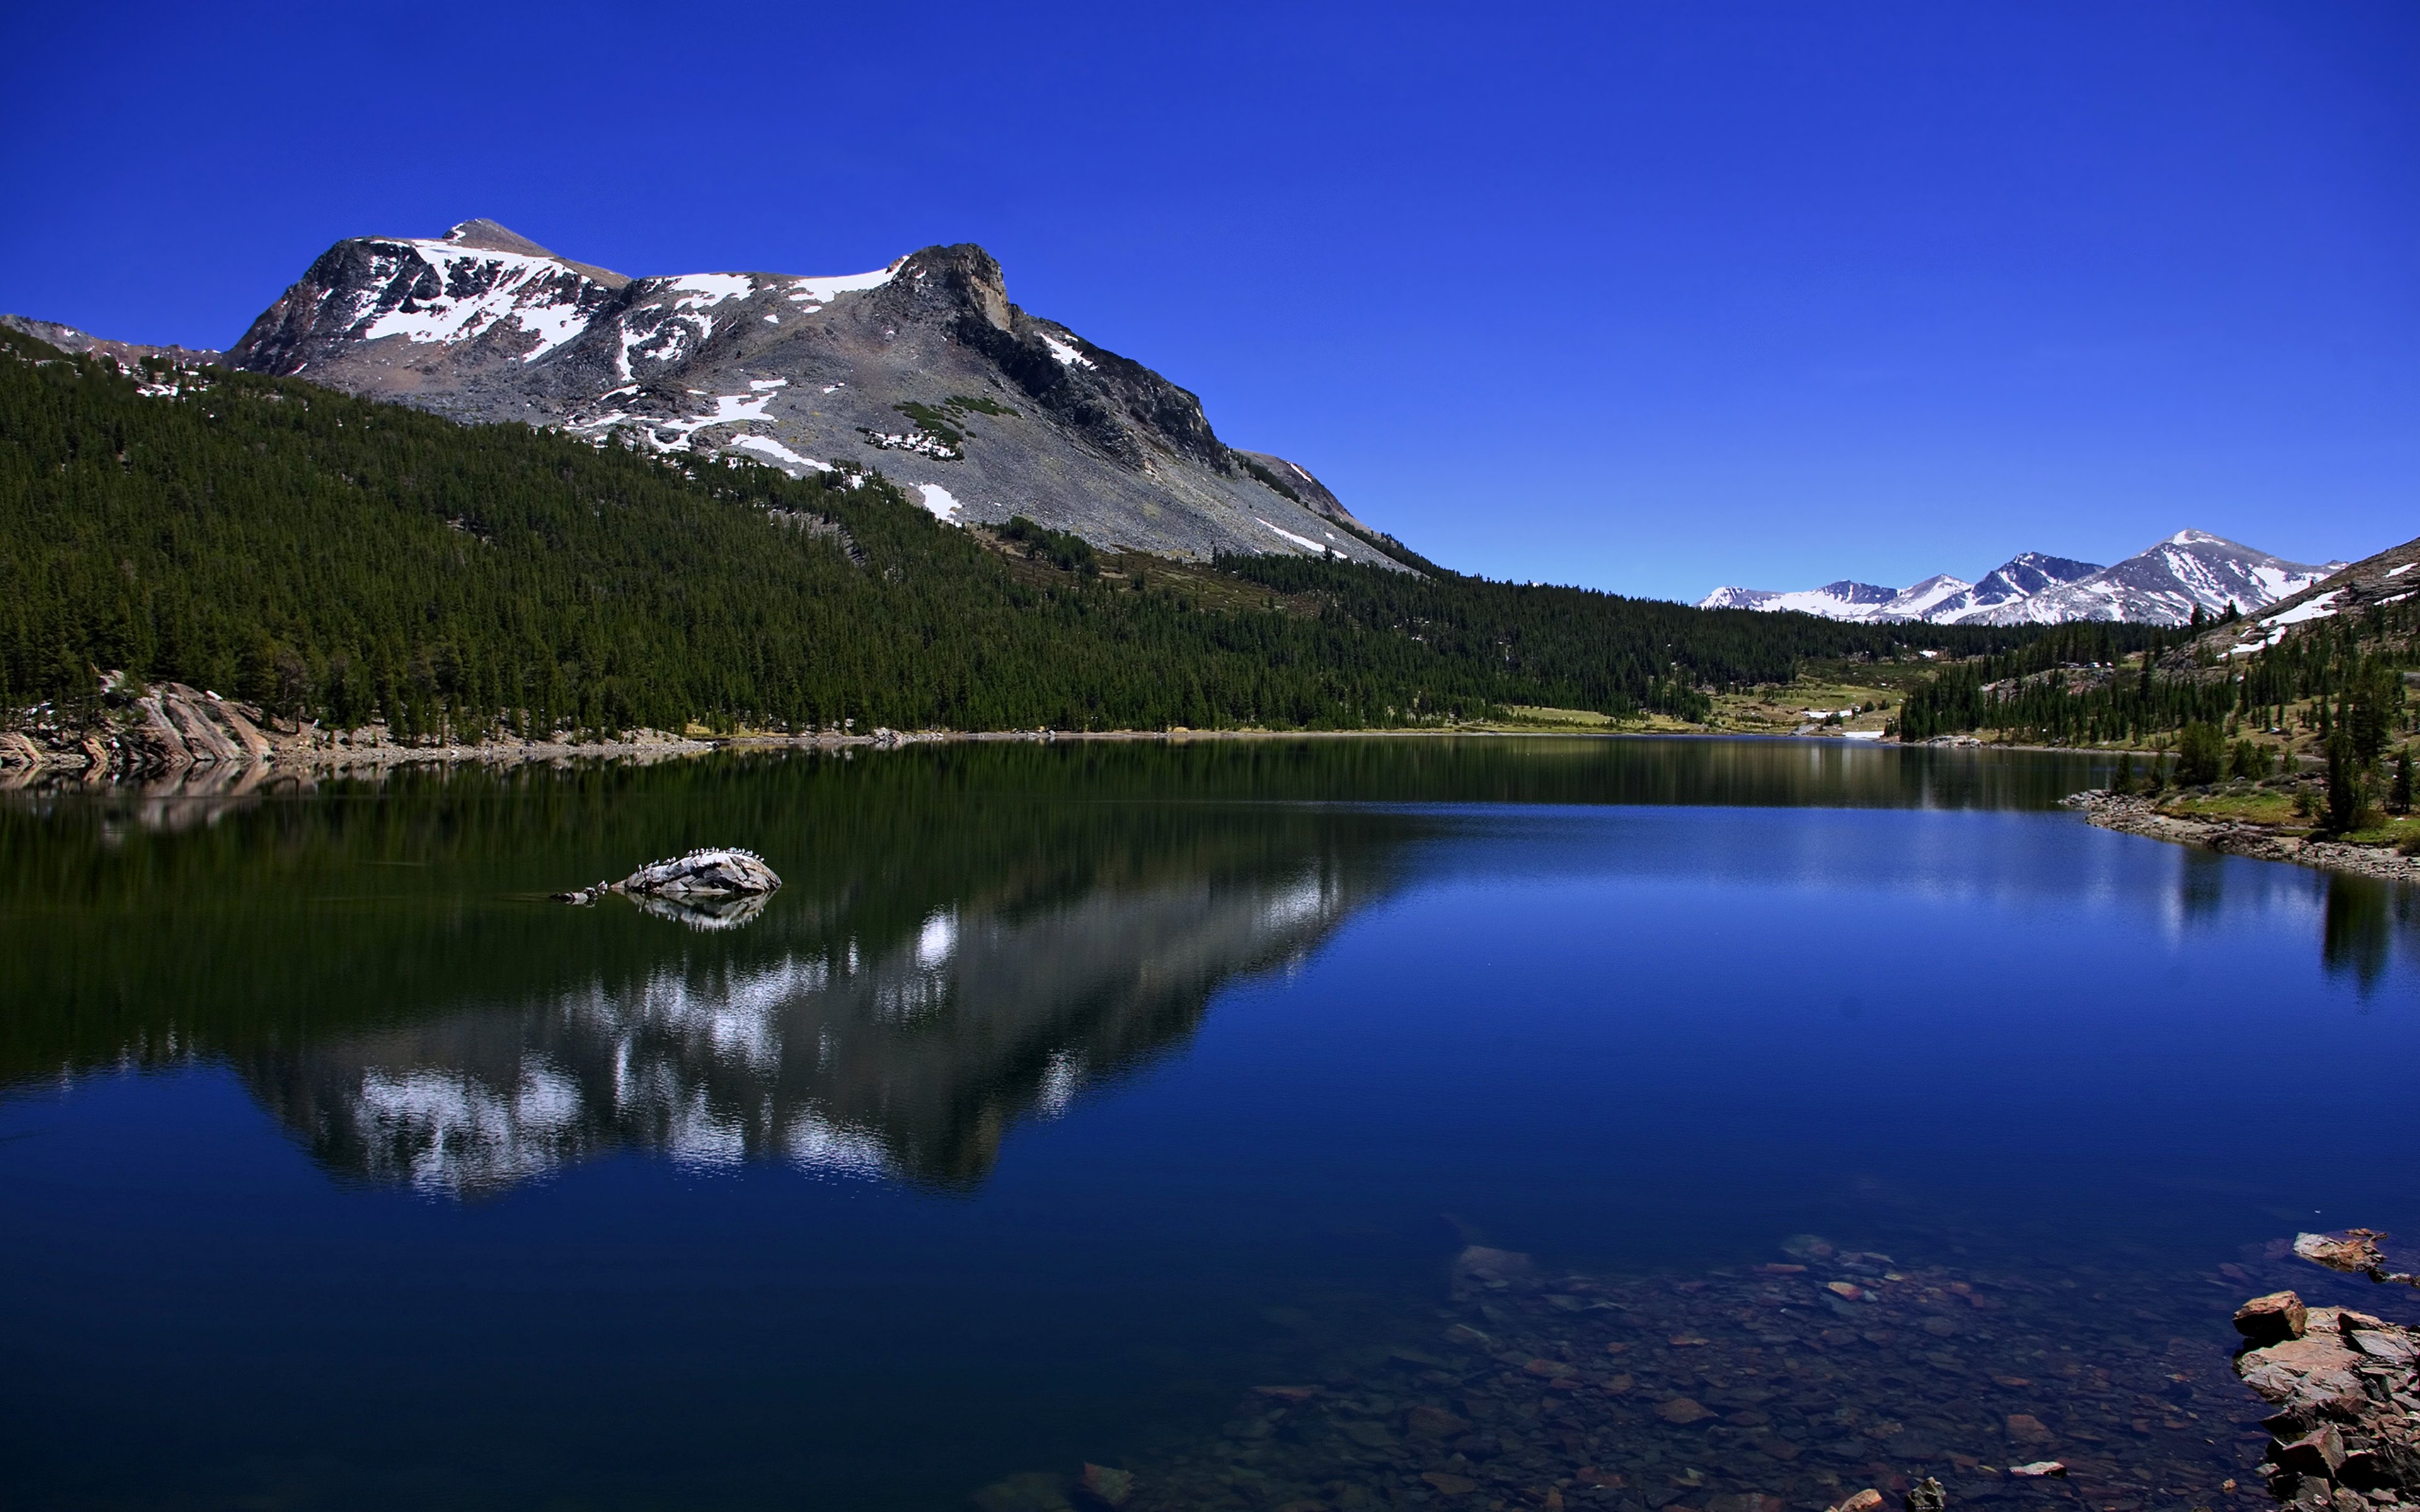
[{"x": 332, "y": 558}]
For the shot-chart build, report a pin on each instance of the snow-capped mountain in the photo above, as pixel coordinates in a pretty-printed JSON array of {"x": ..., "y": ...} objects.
[
  {"x": 1843, "y": 600},
  {"x": 2164, "y": 584},
  {"x": 1940, "y": 598},
  {"x": 2015, "y": 581},
  {"x": 2161, "y": 585},
  {"x": 921, "y": 368}
]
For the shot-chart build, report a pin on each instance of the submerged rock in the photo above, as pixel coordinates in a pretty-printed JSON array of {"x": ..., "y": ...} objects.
[
  {"x": 1109, "y": 1487},
  {"x": 1741, "y": 1389}
]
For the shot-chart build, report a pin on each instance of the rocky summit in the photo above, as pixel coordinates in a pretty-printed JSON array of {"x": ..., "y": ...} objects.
[{"x": 924, "y": 369}]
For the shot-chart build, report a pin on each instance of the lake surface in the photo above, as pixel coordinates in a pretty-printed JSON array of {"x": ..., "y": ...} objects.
[{"x": 1068, "y": 1094}]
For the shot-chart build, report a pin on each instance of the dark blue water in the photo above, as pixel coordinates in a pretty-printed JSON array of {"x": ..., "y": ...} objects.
[{"x": 1060, "y": 1099}]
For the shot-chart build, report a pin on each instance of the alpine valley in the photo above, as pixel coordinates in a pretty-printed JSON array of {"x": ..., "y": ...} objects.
[
  {"x": 457, "y": 492},
  {"x": 2190, "y": 571}
]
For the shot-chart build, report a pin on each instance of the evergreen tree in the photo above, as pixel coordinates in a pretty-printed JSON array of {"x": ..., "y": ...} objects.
[
  {"x": 2200, "y": 752},
  {"x": 2345, "y": 797}
]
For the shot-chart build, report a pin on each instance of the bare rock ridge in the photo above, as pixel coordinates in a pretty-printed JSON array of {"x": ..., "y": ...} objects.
[
  {"x": 69, "y": 339},
  {"x": 2163, "y": 585},
  {"x": 924, "y": 369}
]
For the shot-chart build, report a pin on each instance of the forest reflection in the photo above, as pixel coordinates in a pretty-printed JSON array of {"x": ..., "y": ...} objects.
[{"x": 969, "y": 935}]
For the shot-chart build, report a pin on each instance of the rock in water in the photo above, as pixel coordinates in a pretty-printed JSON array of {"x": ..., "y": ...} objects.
[
  {"x": 699, "y": 875},
  {"x": 2271, "y": 1320},
  {"x": 1110, "y": 1487},
  {"x": 707, "y": 873}
]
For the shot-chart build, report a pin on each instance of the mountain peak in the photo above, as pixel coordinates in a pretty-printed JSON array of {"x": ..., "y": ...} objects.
[
  {"x": 487, "y": 236},
  {"x": 968, "y": 274}
]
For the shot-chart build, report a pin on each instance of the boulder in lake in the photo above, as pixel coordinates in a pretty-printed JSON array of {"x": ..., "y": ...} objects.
[
  {"x": 707, "y": 873},
  {"x": 2271, "y": 1320},
  {"x": 701, "y": 874}
]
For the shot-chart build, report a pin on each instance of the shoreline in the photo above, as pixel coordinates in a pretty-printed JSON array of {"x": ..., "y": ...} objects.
[
  {"x": 164, "y": 750},
  {"x": 23, "y": 761},
  {"x": 2131, "y": 814}
]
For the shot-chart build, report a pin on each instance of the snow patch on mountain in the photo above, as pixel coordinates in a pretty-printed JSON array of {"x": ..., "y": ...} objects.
[
  {"x": 461, "y": 292},
  {"x": 1303, "y": 541},
  {"x": 1067, "y": 356},
  {"x": 822, "y": 291},
  {"x": 767, "y": 446}
]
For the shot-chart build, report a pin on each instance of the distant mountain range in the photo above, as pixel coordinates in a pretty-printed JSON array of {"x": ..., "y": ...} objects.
[
  {"x": 2161, "y": 585},
  {"x": 921, "y": 368}
]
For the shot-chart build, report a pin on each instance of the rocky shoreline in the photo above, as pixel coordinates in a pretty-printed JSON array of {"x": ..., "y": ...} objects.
[
  {"x": 2345, "y": 1386},
  {"x": 2136, "y": 815},
  {"x": 171, "y": 731},
  {"x": 154, "y": 750}
]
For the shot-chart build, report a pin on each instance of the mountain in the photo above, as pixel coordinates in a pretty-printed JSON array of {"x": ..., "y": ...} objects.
[
  {"x": 2019, "y": 577},
  {"x": 923, "y": 368},
  {"x": 2166, "y": 583},
  {"x": 2361, "y": 589},
  {"x": 69, "y": 339},
  {"x": 1940, "y": 599},
  {"x": 2161, "y": 585}
]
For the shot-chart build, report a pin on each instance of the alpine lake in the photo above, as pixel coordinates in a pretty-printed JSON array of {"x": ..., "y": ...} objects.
[{"x": 1647, "y": 1124}]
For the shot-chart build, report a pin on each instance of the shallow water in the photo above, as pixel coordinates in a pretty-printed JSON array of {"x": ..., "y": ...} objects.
[{"x": 1066, "y": 1094}]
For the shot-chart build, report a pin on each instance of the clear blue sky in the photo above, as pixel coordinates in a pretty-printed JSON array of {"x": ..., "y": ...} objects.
[{"x": 1645, "y": 296}]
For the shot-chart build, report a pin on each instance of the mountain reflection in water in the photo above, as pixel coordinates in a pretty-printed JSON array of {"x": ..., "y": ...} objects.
[
  {"x": 968, "y": 935},
  {"x": 906, "y": 1058}
]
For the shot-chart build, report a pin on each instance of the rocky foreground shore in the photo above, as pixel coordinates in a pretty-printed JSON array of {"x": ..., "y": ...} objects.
[
  {"x": 2345, "y": 1386},
  {"x": 2136, "y": 815}
]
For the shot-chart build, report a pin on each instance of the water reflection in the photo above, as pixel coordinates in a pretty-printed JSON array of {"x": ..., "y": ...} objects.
[
  {"x": 909, "y": 1060},
  {"x": 2364, "y": 916},
  {"x": 968, "y": 936}
]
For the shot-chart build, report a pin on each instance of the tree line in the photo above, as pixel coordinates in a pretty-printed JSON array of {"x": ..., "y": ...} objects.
[{"x": 334, "y": 559}]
